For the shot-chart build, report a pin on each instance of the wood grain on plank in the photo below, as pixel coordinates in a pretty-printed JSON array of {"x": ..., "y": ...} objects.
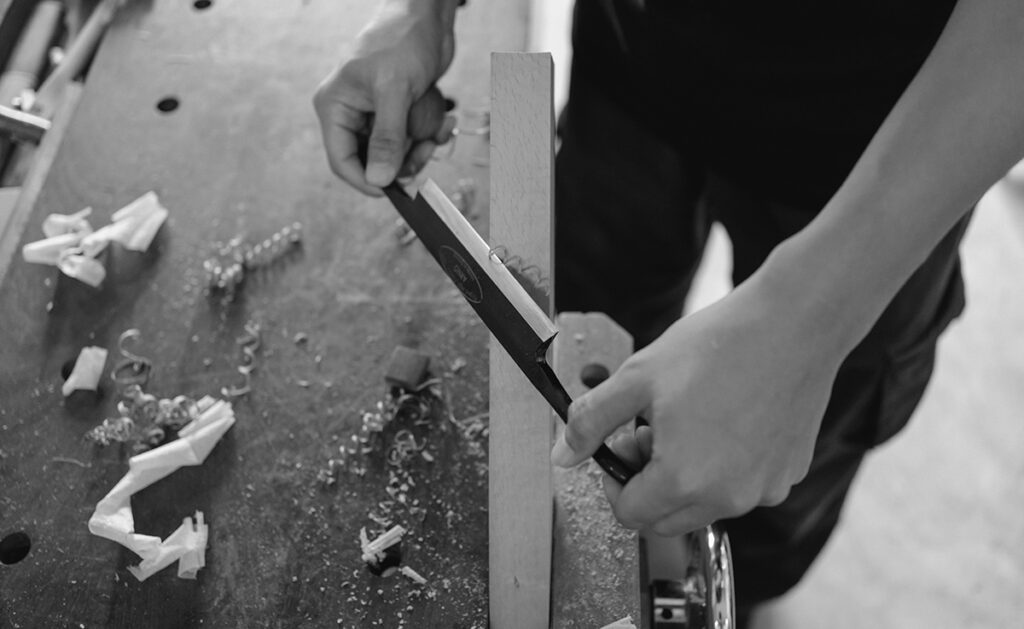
[
  {"x": 596, "y": 572},
  {"x": 521, "y": 220}
]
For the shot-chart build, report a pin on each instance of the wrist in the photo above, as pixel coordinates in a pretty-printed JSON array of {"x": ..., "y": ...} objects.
[
  {"x": 816, "y": 288},
  {"x": 441, "y": 10}
]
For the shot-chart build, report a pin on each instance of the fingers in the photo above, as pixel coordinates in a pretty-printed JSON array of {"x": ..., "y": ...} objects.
[
  {"x": 388, "y": 139},
  {"x": 423, "y": 151},
  {"x": 428, "y": 127},
  {"x": 418, "y": 157},
  {"x": 427, "y": 115},
  {"x": 644, "y": 436},
  {"x": 340, "y": 126},
  {"x": 679, "y": 522},
  {"x": 684, "y": 521},
  {"x": 635, "y": 448},
  {"x": 596, "y": 414},
  {"x": 651, "y": 495},
  {"x": 395, "y": 123}
]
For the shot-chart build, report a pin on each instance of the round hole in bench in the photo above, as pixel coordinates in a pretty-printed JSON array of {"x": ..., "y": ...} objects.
[
  {"x": 593, "y": 374},
  {"x": 14, "y": 548},
  {"x": 202, "y": 4},
  {"x": 168, "y": 104}
]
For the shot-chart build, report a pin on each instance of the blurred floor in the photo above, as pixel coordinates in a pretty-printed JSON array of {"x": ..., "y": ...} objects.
[{"x": 933, "y": 533}]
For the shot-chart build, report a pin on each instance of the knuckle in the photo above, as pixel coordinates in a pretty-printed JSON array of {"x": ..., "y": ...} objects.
[
  {"x": 320, "y": 98},
  {"x": 632, "y": 367},
  {"x": 624, "y": 519},
  {"x": 334, "y": 168},
  {"x": 679, "y": 490},
  {"x": 775, "y": 496},
  {"x": 385, "y": 142},
  {"x": 352, "y": 72},
  {"x": 803, "y": 467},
  {"x": 577, "y": 430},
  {"x": 738, "y": 501},
  {"x": 390, "y": 82}
]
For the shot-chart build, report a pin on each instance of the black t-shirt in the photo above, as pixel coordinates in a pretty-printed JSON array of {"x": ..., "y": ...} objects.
[{"x": 783, "y": 96}]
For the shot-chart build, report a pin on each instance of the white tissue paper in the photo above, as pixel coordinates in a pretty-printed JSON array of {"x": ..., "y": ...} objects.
[
  {"x": 113, "y": 517},
  {"x": 75, "y": 264},
  {"x": 48, "y": 250},
  {"x": 72, "y": 246},
  {"x": 60, "y": 224},
  {"x": 135, "y": 225},
  {"x": 87, "y": 371}
]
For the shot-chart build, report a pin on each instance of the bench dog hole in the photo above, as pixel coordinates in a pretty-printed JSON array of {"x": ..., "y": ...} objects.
[
  {"x": 14, "y": 548},
  {"x": 202, "y": 4},
  {"x": 167, "y": 105}
]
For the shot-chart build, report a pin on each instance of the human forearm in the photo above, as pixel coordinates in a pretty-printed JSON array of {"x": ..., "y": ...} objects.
[{"x": 958, "y": 127}]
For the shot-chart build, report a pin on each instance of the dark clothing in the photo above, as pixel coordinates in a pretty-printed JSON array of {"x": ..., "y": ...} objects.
[
  {"x": 783, "y": 96},
  {"x": 634, "y": 205}
]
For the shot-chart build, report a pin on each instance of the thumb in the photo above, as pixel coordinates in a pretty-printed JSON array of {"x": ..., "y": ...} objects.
[
  {"x": 597, "y": 413},
  {"x": 388, "y": 141}
]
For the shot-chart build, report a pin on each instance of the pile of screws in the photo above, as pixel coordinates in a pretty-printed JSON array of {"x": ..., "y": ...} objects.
[{"x": 226, "y": 269}]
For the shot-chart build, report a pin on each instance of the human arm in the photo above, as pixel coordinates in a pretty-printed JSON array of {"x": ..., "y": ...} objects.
[
  {"x": 385, "y": 90},
  {"x": 735, "y": 393}
]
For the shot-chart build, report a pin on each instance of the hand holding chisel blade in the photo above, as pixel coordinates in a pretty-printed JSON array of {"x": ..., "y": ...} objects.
[{"x": 515, "y": 320}]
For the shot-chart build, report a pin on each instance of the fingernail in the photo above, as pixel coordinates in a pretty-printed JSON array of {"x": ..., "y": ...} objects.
[
  {"x": 378, "y": 174},
  {"x": 562, "y": 455}
]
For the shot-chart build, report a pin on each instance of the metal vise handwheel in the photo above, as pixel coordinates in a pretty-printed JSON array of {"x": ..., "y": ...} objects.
[{"x": 704, "y": 598}]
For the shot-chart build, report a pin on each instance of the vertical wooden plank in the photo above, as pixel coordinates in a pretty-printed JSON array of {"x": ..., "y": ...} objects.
[
  {"x": 596, "y": 576},
  {"x": 521, "y": 220}
]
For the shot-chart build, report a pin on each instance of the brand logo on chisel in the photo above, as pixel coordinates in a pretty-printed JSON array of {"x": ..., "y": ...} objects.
[{"x": 461, "y": 273}]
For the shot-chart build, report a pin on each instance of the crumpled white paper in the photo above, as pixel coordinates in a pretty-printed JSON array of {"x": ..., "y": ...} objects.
[
  {"x": 75, "y": 264},
  {"x": 113, "y": 517},
  {"x": 48, "y": 250},
  {"x": 135, "y": 225},
  {"x": 88, "y": 370},
  {"x": 60, "y": 224},
  {"x": 72, "y": 246}
]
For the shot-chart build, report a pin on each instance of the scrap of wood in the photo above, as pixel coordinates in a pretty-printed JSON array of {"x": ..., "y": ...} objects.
[
  {"x": 521, "y": 220},
  {"x": 407, "y": 368},
  {"x": 596, "y": 567},
  {"x": 12, "y": 228}
]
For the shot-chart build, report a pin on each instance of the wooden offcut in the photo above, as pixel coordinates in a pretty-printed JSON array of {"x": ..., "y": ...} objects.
[
  {"x": 407, "y": 368},
  {"x": 596, "y": 576},
  {"x": 13, "y": 224},
  {"x": 521, "y": 220}
]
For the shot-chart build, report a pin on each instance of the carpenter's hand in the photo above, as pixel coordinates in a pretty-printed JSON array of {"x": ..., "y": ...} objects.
[
  {"x": 734, "y": 395},
  {"x": 385, "y": 91}
]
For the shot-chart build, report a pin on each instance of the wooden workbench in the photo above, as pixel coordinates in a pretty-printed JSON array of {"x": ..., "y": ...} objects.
[{"x": 241, "y": 154}]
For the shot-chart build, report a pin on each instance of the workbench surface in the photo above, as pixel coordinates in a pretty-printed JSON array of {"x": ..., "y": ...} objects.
[{"x": 241, "y": 154}]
